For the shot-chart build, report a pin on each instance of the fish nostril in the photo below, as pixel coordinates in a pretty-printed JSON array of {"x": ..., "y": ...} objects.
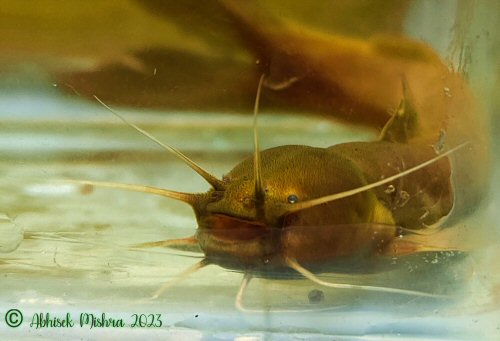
[
  {"x": 217, "y": 195},
  {"x": 248, "y": 202}
]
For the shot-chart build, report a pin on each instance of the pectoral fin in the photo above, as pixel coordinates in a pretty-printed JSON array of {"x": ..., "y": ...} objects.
[
  {"x": 457, "y": 238},
  {"x": 189, "y": 244}
]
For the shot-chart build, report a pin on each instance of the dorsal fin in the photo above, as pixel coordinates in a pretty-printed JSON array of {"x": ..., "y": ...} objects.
[{"x": 403, "y": 124}]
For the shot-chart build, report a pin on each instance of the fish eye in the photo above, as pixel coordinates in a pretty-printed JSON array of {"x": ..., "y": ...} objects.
[{"x": 292, "y": 199}]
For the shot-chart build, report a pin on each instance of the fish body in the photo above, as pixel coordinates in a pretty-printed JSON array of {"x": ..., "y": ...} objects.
[{"x": 296, "y": 206}]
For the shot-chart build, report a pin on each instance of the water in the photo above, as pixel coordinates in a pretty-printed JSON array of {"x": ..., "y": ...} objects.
[
  {"x": 76, "y": 255},
  {"x": 66, "y": 248}
]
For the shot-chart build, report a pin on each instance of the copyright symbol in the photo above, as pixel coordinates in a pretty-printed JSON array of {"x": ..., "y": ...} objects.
[{"x": 13, "y": 318}]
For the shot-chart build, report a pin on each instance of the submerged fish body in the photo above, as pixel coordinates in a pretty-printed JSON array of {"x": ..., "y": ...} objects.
[{"x": 358, "y": 81}]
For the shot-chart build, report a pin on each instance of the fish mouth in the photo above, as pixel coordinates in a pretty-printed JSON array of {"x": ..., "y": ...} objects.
[
  {"x": 229, "y": 228},
  {"x": 238, "y": 243}
]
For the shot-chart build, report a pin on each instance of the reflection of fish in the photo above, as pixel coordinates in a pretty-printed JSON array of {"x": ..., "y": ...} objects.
[
  {"x": 197, "y": 62},
  {"x": 309, "y": 208}
]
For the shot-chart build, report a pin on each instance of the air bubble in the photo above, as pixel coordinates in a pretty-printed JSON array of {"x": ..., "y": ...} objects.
[
  {"x": 404, "y": 196},
  {"x": 390, "y": 189},
  {"x": 292, "y": 199},
  {"x": 439, "y": 145}
]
